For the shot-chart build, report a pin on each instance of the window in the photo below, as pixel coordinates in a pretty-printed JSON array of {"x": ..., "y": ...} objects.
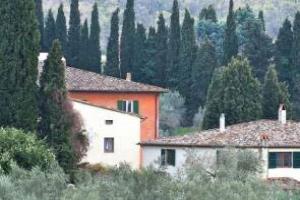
[
  {"x": 168, "y": 157},
  {"x": 109, "y": 122},
  {"x": 108, "y": 145},
  {"x": 284, "y": 160},
  {"x": 128, "y": 106}
]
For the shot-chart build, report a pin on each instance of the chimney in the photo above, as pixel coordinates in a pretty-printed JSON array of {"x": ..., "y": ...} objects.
[
  {"x": 282, "y": 114},
  {"x": 222, "y": 123},
  {"x": 128, "y": 77}
]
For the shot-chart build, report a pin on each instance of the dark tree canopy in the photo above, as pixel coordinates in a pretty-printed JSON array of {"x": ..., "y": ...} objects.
[
  {"x": 19, "y": 47},
  {"x": 61, "y": 28},
  {"x": 127, "y": 39},
  {"x": 112, "y": 67},
  {"x": 50, "y": 33},
  {"x": 84, "y": 47},
  {"x": 40, "y": 18},
  {"x": 139, "y": 54}
]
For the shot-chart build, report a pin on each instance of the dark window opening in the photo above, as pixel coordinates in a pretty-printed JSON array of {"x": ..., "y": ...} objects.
[
  {"x": 109, "y": 122},
  {"x": 284, "y": 160},
  {"x": 168, "y": 157},
  {"x": 108, "y": 145}
]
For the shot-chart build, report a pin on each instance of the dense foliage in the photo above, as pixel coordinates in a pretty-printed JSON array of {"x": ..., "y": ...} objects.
[{"x": 24, "y": 149}]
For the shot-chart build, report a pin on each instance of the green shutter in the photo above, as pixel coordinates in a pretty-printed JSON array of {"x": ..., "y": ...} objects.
[
  {"x": 120, "y": 105},
  {"x": 171, "y": 157},
  {"x": 136, "y": 107},
  {"x": 272, "y": 160},
  {"x": 163, "y": 157},
  {"x": 296, "y": 159}
]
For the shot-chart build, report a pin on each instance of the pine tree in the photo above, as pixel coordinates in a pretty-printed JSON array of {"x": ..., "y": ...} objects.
[
  {"x": 242, "y": 98},
  {"x": 284, "y": 44},
  {"x": 271, "y": 94},
  {"x": 202, "y": 72},
  {"x": 214, "y": 100},
  {"x": 187, "y": 58},
  {"x": 84, "y": 46},
  {"x": 173, "y": 71},
  {"x": 262, "y": 19},
  {"x": 57, "y": 117},
  {"x": 49, "y": 31},
  {"x": 61, "y": 28},
  {"x": 73, "y": 35},
  {"x": 112, "y": 67},
  {"x": 40, "y": 18},
  {"x": 19, "y": 47},
  {"x": 208, "y": 14},
  {"x": 230, "y": 38},
  {"x": 127, "y": 39},
  {"x": 162, "y": 52},
  {"x": 139, "y": 54},
  {"x": 258, "y": 48},
  {"x": 94, "y": 61},
  {"x": 149, "y": 69}
]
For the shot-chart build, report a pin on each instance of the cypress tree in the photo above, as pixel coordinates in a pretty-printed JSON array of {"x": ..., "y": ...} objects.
[
  {"x": 202, "y": 72},
  {"x": 214, "y": 100},
  {"x": 112, "y": 67},
  {"x": 162, "y": 52},
  {"x": 230, "y": 38},
  {"x": 84, "y": 46},
  {"x": 40, "y": 18},
  {"x": 242, "y": 98},
  {"x": 187, "y": 57},
  {"x": 73, "y": 35},
  {"x": 49, "y": 31},
  {"x": 271, "y": 94},
  {"x": 295, "y": 86},
  {"x": 211, "y": 14},
  {"x": 149, "y": 69},
  {"x": 94, "y": 61},
  {"x": 19, "y": 47},
  {"x": 262, "y": 19},
  {"x": 203, "y": 14},
  {"x": 173, "y": 71},
  {"x": 57, "y": 117},
  {"x": 127, "y": 39},
  {"x": 139, "y": 54},
  {"x": 258, "y": 48},
  {"x": 61, "y": 28},
  {"x": 284, "y": 44}
]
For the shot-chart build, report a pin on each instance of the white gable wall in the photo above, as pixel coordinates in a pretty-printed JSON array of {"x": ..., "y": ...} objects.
[{"x": 125, "y": 130}]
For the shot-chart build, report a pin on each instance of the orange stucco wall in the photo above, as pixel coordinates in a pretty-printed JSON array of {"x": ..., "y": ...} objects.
[{"x": 148, "y": 107}]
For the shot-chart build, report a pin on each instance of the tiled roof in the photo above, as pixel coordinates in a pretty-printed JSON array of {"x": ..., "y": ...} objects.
[
  {"x": 260, "y": 133},
  {"x": 81, "y": 80},
  {"x": 106, "y": 108}
]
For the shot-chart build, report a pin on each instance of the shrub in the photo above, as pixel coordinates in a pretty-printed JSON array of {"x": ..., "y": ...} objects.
[{"x": 24, "y": 149}]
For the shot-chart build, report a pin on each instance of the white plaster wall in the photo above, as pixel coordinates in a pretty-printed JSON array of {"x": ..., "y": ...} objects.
[
  {"x": 151, "y": 156},
  {"x": 125, "y": 131}
]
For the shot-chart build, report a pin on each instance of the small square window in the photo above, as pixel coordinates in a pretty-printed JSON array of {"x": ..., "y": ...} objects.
[
  {"x": 109, "y": 122},
  {"x": 108, "y": 145},
  {"x": 168, "y": 157}
]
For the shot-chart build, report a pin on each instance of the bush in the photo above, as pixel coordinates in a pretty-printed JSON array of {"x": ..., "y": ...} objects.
[{"x": 24, "y": 149}]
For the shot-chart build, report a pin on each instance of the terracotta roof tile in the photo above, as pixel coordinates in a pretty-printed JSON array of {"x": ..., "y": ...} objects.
[
  {"x": 81, "y": 80},
  {"x": 268, "y": 133}
]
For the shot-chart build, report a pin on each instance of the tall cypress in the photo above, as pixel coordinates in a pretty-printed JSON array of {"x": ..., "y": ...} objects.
[
  {"x": 284, "y": 45},
  {"x": 40, "y": 18},
  {"x": 208, "y": 14},
  {"x": 139, "y": 54},
  {"x": 262, "y": 19},
  {"x": 73, "y": 35},
  {"x": 127, "y": 39},
  {"x": 61, "y": 28},
  {"x": 173, "y": 71},
  {"x": 49, "y": 31},
  {"x": 162, "y": 52},
  {"x": 272, "y": 94},
  {"x": 57, "y": 124},
  {"x": 112, "y": 67},
  {"x": 230, "y": 38},
  {"x": 149, "y": 69},
  {"x": 19, "y": 47},
  {"x": 94, "y": 61},
  {"x": 84, "y": 46},
  {"x": 202, "y": 72},
  {"x": 187, "y": 57}
]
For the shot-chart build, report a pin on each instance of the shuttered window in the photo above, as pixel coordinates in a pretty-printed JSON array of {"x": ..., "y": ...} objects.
[
  {"x": 272, "y": 160},
  {"x": 168, "y": 157},
  {"x": 128, "y": 106},
  {"x": 296, "y": 159}
]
